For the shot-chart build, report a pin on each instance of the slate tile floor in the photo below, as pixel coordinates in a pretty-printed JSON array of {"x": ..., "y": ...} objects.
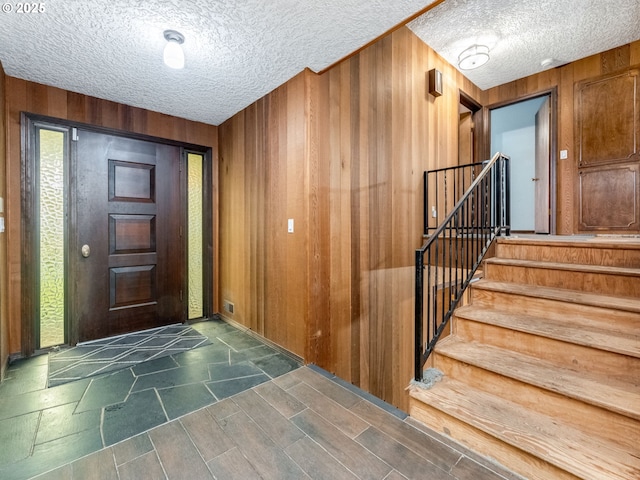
[
  {"x": 115, "y": 353},
  {"x": 235, "y": 409},
  {"x": 42, "y": 428}
]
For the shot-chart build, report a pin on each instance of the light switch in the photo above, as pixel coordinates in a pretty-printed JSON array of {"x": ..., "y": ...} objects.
[
  {"x": 563, "y": 155},
  {"x": 290, "y": 225},
  {"x": 1, "y": 205},
  {"x": 1, "y": 224}
]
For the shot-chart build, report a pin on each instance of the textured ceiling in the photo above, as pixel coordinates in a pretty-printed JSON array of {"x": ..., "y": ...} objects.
[
  {"x": 520, "y": 34},
  {"x": 238, "y": 50}
]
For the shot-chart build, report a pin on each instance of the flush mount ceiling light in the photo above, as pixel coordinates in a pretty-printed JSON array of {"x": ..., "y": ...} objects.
[
  {"x": 546, "y": 63},
  {"x": 173, "y": 55},
  {"x": 473, "y": 57}
]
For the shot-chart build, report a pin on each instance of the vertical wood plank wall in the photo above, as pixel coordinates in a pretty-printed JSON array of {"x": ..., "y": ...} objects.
[
  {"x": 384, "y": 130},
  {"x": 44, "y": 100},
  {"x": 564, "y": 78},
  {"x": 263, "y": 183},
  {"x": 4, "y": 319},
  {"x": 343, "y": 154}
]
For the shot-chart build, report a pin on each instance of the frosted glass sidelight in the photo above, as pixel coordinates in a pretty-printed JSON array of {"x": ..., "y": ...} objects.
[
  {"x": 194, "y": 235},
  {"x": 51, "y": 213}
]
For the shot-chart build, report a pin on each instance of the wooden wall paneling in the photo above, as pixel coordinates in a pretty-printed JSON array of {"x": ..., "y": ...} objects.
[
  {"x": 339, "y": 333},
  {"x": 616, "y": 59},
  {"x": 254, "y": 189},
  {"x": 395, "y": 131},
  {"x": 565, "y": 191},
  {"x": 359, "y": 96},
  {"x": 4, "y": 320},
  {"x": 264, "y": 180},
  {"x": 344, "y": 157},
  {"x": 318, "y": 346},
  {"x": 233, "y": 218},
  {"x": 277, "y": 267},
  {"x": 18, "y": 89},
  {"x": 297, "y": 190},
  {"x": 24, "y": 96},
  {"x": 634, "y": 53}
]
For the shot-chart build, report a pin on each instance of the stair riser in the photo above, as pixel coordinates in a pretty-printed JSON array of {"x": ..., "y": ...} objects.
[
  {"x": 571, "y": 356},
  {"x": 603, "y": 423},
  {"x": 529, "y": 466},
  {"x": 618, "y": 320},
  {"x": 593, "y": 282},
  {"x": 576, "y": 254}
]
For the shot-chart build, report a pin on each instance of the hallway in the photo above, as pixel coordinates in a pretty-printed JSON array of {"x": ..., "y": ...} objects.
[{"x": 237, "y": 408}]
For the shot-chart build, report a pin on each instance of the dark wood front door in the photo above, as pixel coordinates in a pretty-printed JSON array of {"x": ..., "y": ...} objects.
[{"x": 127, "y": 258}]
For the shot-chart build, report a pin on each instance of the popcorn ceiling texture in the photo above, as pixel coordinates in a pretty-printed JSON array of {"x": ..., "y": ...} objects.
[
  {"x": 239, "y": 50},
  {"x": 520, "y": 34},
  {"x": 236, "y": 50}
]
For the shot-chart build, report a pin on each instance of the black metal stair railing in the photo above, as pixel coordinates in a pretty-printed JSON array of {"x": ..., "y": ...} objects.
[
  {"x": 449, "y": 258},
  {"x": 442, "y": 189}
]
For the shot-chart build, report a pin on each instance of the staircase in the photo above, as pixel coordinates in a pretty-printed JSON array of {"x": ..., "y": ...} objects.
[{"x": 542, "y": 369}]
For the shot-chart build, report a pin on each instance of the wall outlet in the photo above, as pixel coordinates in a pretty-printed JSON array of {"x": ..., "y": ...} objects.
[
  {"x": 434, "y": 213},
  {"x": 228, "y": 306}
]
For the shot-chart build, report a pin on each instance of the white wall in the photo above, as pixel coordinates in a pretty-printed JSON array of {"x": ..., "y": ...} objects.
[{"x": 513, "y": 133}]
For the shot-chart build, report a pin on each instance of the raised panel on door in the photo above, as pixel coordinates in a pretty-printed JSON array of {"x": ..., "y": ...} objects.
[
  {"x": 609, "y": 198},
  {"x": 608, "y": 118},
  {"x": 128, "y": 213}
]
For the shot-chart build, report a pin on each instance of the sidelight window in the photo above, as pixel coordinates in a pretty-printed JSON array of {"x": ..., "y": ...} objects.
[
  {"x": 195, "y": 253},
  {"x": 50, "y": 165}
]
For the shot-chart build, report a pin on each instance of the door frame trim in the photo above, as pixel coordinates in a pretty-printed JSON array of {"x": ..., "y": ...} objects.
[
  {"x": 480, "y": 145},
  {"x": 29, "y": 231},
  {"x": 552, "y": 93}
]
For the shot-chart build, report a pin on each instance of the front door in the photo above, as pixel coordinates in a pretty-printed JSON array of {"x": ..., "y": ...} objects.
[{"x": 127, "y": 259}]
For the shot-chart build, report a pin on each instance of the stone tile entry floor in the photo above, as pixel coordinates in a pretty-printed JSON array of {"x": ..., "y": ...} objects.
[
  {"x": 116, "y": 353},
  {"x": 42, "y": 428},
  {"x": 237, "y": 408}
]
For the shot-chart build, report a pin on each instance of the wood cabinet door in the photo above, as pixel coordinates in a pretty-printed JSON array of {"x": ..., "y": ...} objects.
[
  {"x": 128, "y": 263},
  {"x": 607, "y": 112}
]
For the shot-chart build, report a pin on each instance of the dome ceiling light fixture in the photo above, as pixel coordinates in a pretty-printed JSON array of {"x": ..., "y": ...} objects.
[
  {"x": 173, "y": 55},
  {"x": 473, "y": 57}
]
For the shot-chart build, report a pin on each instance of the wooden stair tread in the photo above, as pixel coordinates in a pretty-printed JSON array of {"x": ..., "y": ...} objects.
[
  {"x": 561, "y": 445},
  {"x": 588, "y": 242},
  {"x": 628, "y": 304},
  {"x": 579, "y": 331},
  {"x": 618, "y": 396},
  {"x": 573, "y": 267}
]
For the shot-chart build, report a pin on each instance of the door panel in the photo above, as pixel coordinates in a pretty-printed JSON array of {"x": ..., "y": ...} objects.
[
  {"x": 608, "y": 117},
  {"x": 128, "y": 212},
  {"x": 543, "y": 153},
  {"x": 609, "y": 198}
]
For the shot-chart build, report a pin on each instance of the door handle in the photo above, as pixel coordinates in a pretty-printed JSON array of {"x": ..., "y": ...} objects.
[
  {"x": 535, "y": 179},
  {"x": 85, "y": 251}
]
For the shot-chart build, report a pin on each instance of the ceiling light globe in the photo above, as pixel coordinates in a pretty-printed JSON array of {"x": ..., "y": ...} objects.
[{"x": 173, "y": 55}]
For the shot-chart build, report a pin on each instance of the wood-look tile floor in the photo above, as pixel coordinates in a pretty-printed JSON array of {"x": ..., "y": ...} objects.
[{"x": 302, "y": 424}]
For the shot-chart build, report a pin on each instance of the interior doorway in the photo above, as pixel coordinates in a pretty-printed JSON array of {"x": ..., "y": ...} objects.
[
  {"x": 470, "y": 144},
  {"x": 115, "y": 231},
  {"x": 523, "y": 130}
]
